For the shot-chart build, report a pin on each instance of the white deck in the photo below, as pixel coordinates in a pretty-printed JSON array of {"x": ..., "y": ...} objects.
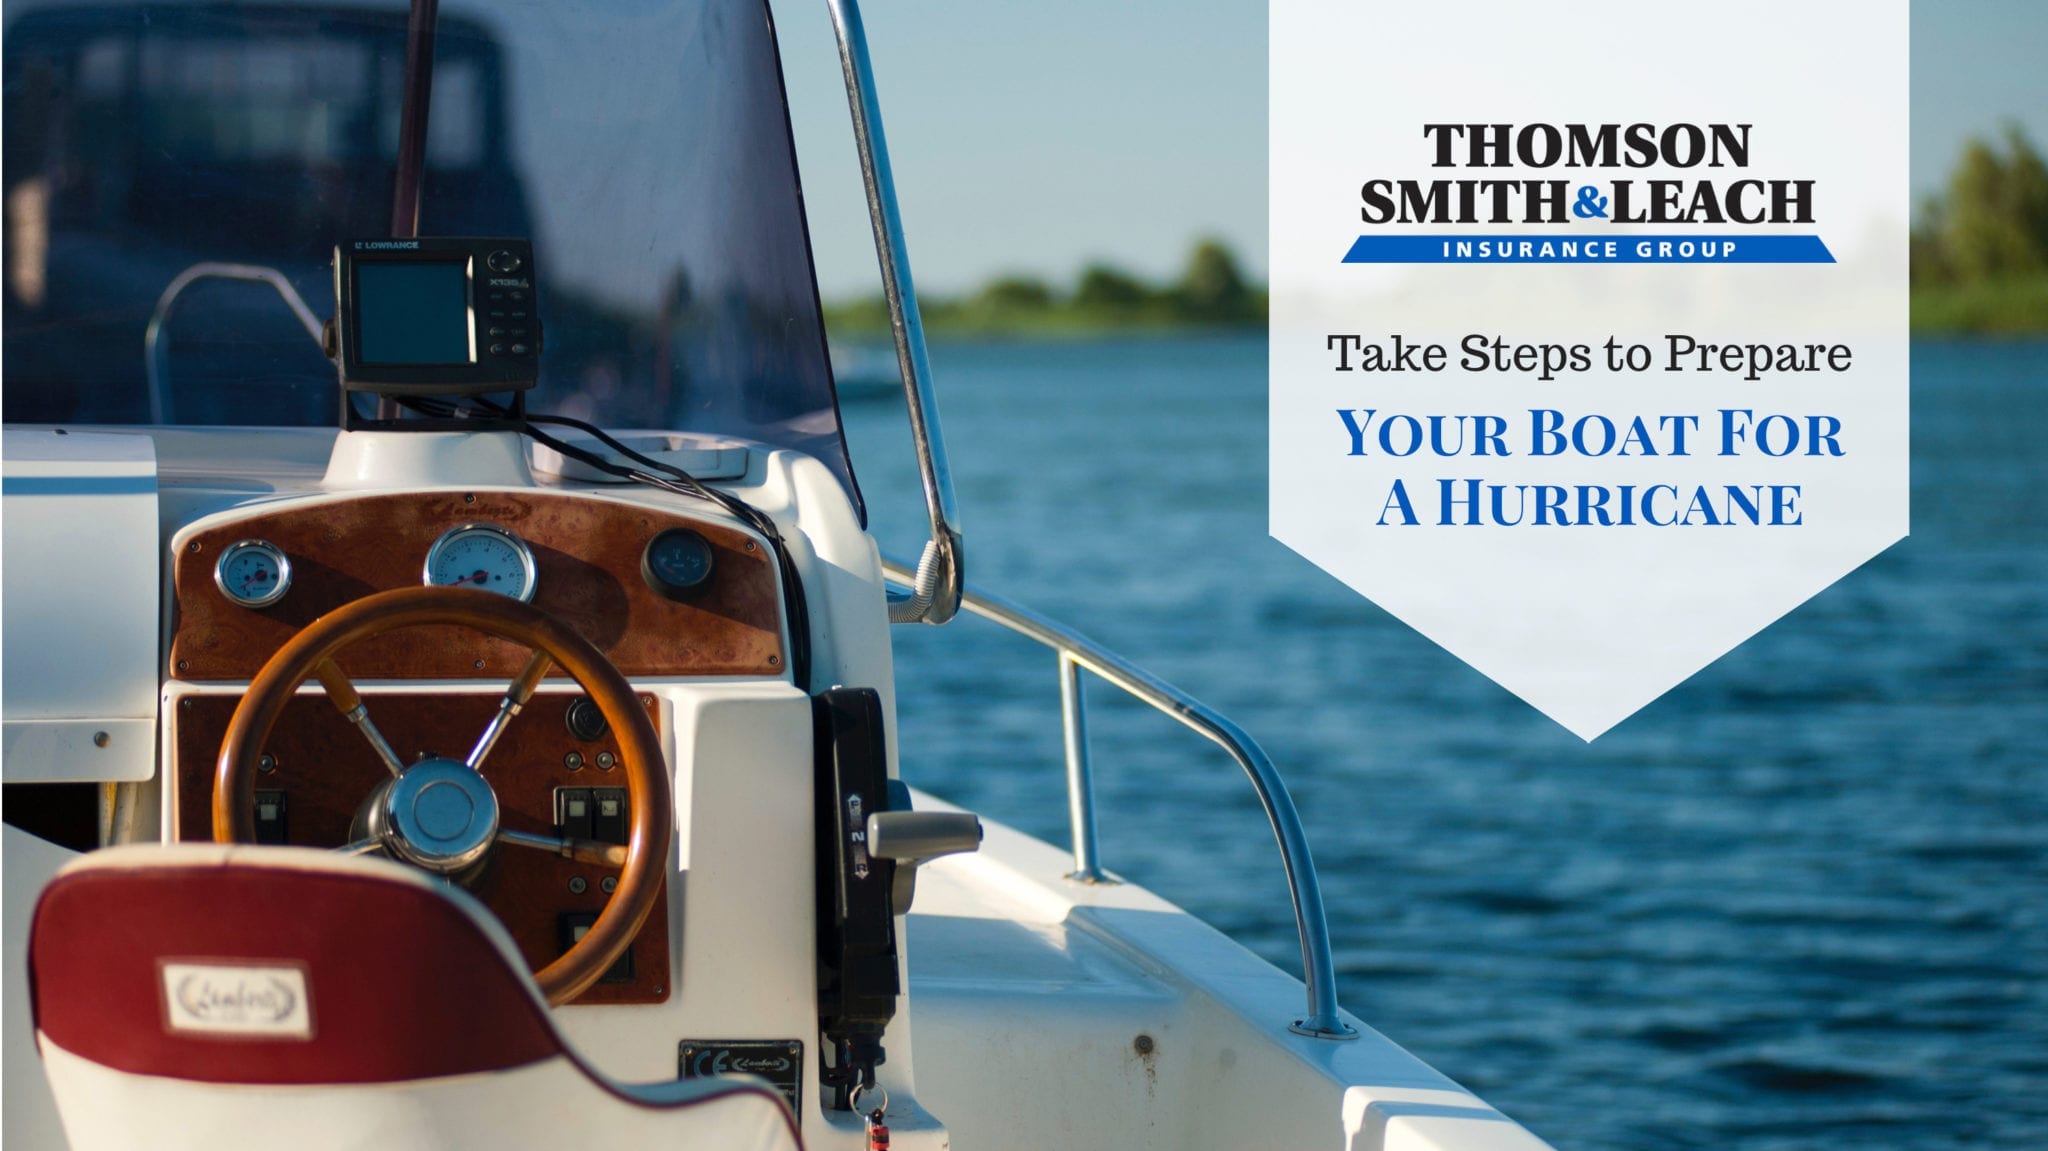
[{"x": 1028, "y": 995}]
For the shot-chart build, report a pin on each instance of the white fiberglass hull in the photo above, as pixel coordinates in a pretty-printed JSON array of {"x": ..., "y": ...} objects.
[{"x": 1050, "y": 1013}]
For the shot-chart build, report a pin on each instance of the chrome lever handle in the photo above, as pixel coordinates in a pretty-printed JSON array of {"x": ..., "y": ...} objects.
[{"x": 915, "y": 836}]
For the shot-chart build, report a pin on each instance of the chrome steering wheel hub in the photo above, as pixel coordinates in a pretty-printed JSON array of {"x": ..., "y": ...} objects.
[{"x": 439, "y": 815}]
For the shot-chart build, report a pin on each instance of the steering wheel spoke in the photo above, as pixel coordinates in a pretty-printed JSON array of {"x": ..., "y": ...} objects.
[
  {"x": 347, "y": 700},
  {"x": 360, "y": 847},
  {"x": 516, "y": 695},
  {"x": 580, "y": 850}
]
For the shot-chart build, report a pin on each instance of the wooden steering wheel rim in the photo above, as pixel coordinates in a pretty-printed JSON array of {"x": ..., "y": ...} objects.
[{"x": 645, "y": 769}]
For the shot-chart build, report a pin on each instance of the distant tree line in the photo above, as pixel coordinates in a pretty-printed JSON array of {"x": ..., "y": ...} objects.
[
  {"x": 1992, "y": 221},
  {"x": 1980, "y": 248},
  {"x": 1211, "y": 291}
]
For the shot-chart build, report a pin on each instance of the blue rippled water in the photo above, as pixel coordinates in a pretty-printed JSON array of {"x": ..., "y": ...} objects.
[{"x": 1801, "y": 901}]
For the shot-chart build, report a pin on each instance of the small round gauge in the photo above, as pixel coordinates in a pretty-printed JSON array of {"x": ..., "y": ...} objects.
[
  {"x": 677, "y": 563},
  {"x": 253, "y": 573},
  {"x": 481, "y": 556}
]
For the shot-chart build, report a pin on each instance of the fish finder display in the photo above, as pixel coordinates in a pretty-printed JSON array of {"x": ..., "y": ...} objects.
[
  {"x": 410, "y": 313},
  {"x": 436, "y": 315}
]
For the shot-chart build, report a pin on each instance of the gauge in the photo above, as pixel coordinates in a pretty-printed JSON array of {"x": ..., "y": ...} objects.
[
  {"x": 253, "y": 573},
  {"x": 677, "y": 563},
  {"x": 481, "y": 556}
]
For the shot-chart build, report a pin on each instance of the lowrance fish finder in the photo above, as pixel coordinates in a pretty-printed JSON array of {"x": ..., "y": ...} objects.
[{"x": 435, "y": 316}]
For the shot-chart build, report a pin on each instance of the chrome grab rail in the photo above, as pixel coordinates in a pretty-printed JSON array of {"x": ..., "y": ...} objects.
[
  {"x": 1077, "y": 653},
  {"x": 939, "y": 581},
  {"x": 152, "y": 336}
]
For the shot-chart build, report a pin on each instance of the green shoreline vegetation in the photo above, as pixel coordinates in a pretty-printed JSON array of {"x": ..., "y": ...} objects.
[
  {"x": 1211, "y": 292},
  {"x": 1979, "y": 258},
  {"x": 1980, "y": 250}
]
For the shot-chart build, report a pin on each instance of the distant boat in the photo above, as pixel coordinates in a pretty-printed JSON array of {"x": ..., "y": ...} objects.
[{"x": 865, "y": 373}]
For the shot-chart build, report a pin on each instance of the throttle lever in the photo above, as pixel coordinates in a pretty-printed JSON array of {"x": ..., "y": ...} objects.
[{"x": 913, "y": 837}]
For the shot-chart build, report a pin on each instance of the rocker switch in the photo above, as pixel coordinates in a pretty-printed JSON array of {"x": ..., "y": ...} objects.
[
  {"x": 271, "y": 809},
  {"x": 572, "y": 926},
  {"x": 608, "y": 820},
  {"x": 574, "y": 812}
]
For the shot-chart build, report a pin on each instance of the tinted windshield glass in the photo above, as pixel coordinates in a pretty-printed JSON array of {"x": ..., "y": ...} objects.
[{"x": 643, "y": 145}]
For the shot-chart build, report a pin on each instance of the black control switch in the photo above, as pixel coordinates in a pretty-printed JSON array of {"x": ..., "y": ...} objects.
[
  {"x": 609, "y": 823},
  {"x": 271, "y": 810},
  {"x": 573, "y": 812},
  {"x": 572, "y": 926}
]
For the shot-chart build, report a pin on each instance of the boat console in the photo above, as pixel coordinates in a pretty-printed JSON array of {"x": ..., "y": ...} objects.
[
  {"x": 575, "y": 703},
  {"x": 558, "y": 766}
]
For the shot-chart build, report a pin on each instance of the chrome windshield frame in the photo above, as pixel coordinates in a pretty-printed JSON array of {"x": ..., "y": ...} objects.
[{"x": 940, "y": 581}]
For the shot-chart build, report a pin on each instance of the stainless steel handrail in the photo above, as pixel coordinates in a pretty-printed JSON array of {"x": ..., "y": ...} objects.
[
  {"x": 1080, "y": 774},
  {"x": 1077, "y": 652},
  {"x": 940, "y": 579},
  {"x": 152, "y": 336}
]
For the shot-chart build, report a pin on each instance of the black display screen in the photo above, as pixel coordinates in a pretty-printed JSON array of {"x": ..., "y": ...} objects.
[{"x": 412, "y": 313}]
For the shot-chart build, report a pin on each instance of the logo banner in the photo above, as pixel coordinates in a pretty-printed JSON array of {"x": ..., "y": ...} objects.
[{"x": 1589, "y": 325}]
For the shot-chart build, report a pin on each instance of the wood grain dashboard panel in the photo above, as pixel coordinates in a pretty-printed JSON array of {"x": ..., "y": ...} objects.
[
  {"x": 325, "y": 768},
  {"x": 587, "y": 551}
]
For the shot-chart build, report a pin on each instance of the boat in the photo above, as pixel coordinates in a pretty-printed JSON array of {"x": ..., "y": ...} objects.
[
  {"x": 448, "y": 686},
  {"x": 865, "y": 373}
]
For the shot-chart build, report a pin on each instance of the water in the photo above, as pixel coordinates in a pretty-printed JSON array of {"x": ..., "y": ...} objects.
[{"x": 1801, "y": 901}]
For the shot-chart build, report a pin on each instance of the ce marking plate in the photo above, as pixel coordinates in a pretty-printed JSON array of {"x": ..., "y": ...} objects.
[{"x": 779, "y": 1061}]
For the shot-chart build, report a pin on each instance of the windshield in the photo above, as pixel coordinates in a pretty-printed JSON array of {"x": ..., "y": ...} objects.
[{"x": 643, "y": 145}]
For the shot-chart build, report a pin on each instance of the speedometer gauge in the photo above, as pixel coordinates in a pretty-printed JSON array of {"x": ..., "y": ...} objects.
[
  {"x": 482, "y": 556},
  {"x": 253, "y": 573}
]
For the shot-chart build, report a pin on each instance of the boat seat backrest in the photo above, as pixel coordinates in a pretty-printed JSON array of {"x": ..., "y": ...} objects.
[{"x": 209, "y": 996}]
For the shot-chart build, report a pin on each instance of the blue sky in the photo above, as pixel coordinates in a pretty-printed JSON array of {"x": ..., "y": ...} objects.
[{"x": 1037, "y": 136}]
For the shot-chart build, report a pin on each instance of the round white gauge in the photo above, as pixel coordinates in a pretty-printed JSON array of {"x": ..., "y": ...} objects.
[
  {"x": 482, "y": 556},
  {"x": 253, "y": 573}
]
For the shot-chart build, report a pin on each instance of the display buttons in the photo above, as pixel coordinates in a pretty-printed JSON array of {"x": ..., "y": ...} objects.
[{"x": 502, "y": 261}]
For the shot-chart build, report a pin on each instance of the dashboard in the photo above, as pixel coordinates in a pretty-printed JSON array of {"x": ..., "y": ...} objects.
[
  {"x": 587, "y": 556},
  {"x": 662, "y": 595}
]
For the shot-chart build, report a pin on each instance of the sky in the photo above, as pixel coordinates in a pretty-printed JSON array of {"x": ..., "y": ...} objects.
[{"x": 1036, "y": 136}]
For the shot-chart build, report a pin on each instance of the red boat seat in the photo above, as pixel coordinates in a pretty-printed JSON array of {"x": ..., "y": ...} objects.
[{"x": 210, "y": 996}]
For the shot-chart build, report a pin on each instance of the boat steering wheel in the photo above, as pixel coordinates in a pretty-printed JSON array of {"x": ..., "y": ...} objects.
[{"x": 441, "y": 814}]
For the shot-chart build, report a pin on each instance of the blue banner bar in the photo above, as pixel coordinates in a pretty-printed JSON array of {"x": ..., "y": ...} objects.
[{"x": 1556, "y": 249}]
